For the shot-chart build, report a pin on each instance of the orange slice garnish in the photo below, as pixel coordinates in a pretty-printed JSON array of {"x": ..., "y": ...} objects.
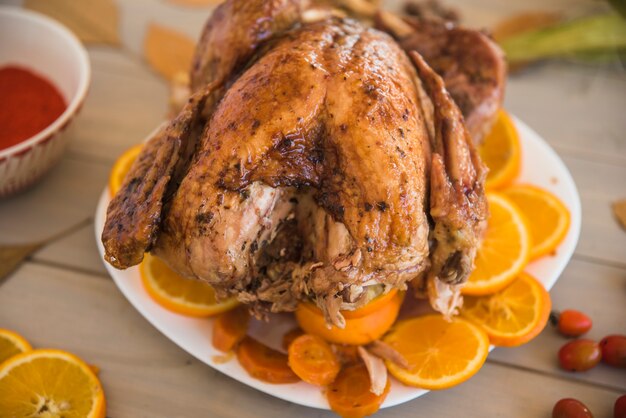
[
  {"x": 504, "y": 251},
  {"x": 501, "y": 152},
  {"x": 11, "y": 344},
  {"x": 512, "y": 316},
  {"x": 122, "y": 167},
  {"x": 178, "y": 294},
  {"x": 363, "y": 325},
  {"x": 548, "y": 218},
  {"x": 440, "y": 353},
  {"x": 53, "y": 381}
]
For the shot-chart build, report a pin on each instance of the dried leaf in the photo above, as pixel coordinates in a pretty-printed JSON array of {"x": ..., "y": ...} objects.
[
  {"x": 524, "y": 22},
  {"x": 95, "y": 21},
  {"x": 196, "y": 3},
  {"x": 619, "y": 210},
  {"x": 169, "y": 52},
  {"x": 11, "y": 256}
]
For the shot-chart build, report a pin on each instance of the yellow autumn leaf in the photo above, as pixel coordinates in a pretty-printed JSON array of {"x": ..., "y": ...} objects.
[
  {"x": 524, "y": 22},
  {"x": 167, "y": 51},
  {"x": 93, "y": 21},
  {"x": 196, "y": 3}
]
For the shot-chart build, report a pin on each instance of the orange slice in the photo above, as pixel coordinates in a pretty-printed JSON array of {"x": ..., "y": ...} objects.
[
  {"x": 501, "y": 152},
  {"x": 440, "y": 354},
  {"x": 363, "y": 325},
  {"x": 504, "y": 251},
  {"x": 11, "y": 344},
  {"x": 178, "y": 294},
  {"x": 512, "y": 316},
  {"x": 548, "y": 218},
  {"x": 121, "y": 167},
  {"x": 49, "y": 383}
]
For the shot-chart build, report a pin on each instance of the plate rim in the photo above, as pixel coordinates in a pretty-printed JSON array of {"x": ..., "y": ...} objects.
[{"x": 526, "y": 133}]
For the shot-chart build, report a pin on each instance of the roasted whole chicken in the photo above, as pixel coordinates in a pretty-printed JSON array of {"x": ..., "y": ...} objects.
[{"x": 316, "y": 159}]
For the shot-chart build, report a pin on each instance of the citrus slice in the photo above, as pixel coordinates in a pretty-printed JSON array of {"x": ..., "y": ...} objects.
[
  {"x": 504, "y": 251},
  {"x": 512, "y": 316},
  {"x": 548, "y": 218},
  {"x": 363, "y": 325},
  {"x": 440, "y": 354},
  {"x": 501, "y": 152},
  {"x": 11, "y": 344},
  {"x": 121, "y": 167},
  {"x": 49, "y": 383},
  {"x": 178, "y": 294}
]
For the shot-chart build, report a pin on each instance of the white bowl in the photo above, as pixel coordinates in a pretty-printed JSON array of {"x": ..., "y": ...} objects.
[{"x": 46, "y": 47}]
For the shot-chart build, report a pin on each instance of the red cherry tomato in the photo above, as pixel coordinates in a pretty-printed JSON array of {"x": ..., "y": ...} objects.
[
  {"x": 619, "y": 410},
  {"x": 614, "y": 350},
  {"x": 579, "y": 355},
  {"x": 573, "y": 323},
  {"x": 570, "y": 408}
]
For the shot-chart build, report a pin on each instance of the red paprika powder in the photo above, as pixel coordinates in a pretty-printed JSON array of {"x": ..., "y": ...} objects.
[{"x": 28, "y": 104}]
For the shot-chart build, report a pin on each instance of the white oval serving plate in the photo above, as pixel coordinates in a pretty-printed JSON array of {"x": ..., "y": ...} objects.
[{"x": 541, "y": 166}]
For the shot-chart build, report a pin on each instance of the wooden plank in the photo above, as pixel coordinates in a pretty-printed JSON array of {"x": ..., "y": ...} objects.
[
  {"x": 126, "y": 102},
  {"x": 185, "y": 20},
  {"x": 578, "y": 109},
  {"x": 591, "y": 288},
  {"x": 144, "y": 374},
  {"x": 76, "y": 251},
  {"x": 599, "y": 184},
  {"x": 66, "y": 197}
]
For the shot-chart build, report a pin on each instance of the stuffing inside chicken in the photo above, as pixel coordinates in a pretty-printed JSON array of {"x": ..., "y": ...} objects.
[{"x": 316, "y": 159}]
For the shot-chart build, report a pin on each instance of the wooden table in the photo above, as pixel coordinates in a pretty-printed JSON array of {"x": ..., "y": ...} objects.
[{"x": 62, "y": 297}]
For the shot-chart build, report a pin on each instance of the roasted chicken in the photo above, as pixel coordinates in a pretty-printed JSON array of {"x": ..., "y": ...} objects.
[
  {"x": 471, "y": 64},
  {"x": 315, "y": 160}
]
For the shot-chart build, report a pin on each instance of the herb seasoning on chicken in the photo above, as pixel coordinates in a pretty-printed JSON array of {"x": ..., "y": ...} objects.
[{"x": 315, "y": 160}]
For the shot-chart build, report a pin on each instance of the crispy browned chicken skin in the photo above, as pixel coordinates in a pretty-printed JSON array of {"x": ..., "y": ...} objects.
[
  {"x": 309, "y": 164},
  {"x": 471, "y": 64}
]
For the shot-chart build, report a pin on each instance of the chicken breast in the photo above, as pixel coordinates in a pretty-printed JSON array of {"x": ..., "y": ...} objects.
[{"x": 329, "y": 117}]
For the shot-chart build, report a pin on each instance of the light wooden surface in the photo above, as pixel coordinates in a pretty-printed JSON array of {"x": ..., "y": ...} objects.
[{"x": 63, "y": 298}]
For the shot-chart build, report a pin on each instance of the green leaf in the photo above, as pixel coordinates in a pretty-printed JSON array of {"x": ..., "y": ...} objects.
[{"x": 599, "y": 33}]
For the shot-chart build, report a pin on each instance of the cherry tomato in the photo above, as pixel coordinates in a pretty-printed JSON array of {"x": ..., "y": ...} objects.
[
  {"x": 579, "y": 355},
  {"x": 614, "y": 350},
  {"x": 619, "y": 410},
  {"x": 570, "y": 408},
  {"x": 573, "y": 323}
]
